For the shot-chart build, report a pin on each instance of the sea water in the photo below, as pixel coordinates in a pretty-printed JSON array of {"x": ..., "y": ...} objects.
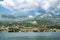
[{"x": 30, "y": 36}]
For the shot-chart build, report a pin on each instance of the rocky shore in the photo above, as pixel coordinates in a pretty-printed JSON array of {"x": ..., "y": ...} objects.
[{"x": 18, "y": 28}]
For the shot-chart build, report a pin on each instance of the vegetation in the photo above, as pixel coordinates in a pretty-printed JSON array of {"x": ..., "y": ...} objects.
[
  {"x": 28, "y": 27},
  {"x": 42, "y": 23}
]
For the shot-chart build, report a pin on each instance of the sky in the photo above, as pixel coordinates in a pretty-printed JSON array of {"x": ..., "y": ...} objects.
[{"x": 29, "y": 7}]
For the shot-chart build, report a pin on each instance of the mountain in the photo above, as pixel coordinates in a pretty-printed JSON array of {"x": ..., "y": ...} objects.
[
  {"x": 48, "y": 18},
  {"x": 9, "y": 18},
  {"x": 42, "y": 19}
]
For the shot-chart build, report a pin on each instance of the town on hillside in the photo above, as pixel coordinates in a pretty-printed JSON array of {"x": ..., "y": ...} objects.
[{"x": 20, "y": 28}]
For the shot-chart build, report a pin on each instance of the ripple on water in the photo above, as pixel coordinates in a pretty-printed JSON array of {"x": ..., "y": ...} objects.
[{"x": 30, "y": 36}]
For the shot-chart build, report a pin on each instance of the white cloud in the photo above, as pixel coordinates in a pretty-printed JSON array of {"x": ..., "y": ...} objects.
[
  {"x": 45, "y": 5},
  {"x": 30, "y": 16},
  {"x": 37, "y": 13},
  {"x": 58, "y": 6},
  {"x": 19, "y": 5},
  {"x": 28, "y": 5}
]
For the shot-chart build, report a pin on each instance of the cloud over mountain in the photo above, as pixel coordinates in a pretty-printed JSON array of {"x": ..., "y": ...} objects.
[{"x": 26, "y": 6}]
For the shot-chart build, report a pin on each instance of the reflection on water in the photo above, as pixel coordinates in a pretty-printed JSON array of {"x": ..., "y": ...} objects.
[{"x": 30, "y": 36}]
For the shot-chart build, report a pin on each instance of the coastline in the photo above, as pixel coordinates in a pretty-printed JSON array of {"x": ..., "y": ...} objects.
[{"x": 18, "y": 28}]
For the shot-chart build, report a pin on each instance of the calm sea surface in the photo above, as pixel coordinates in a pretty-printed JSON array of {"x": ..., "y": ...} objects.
[{"x": 30, "y": 36}]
